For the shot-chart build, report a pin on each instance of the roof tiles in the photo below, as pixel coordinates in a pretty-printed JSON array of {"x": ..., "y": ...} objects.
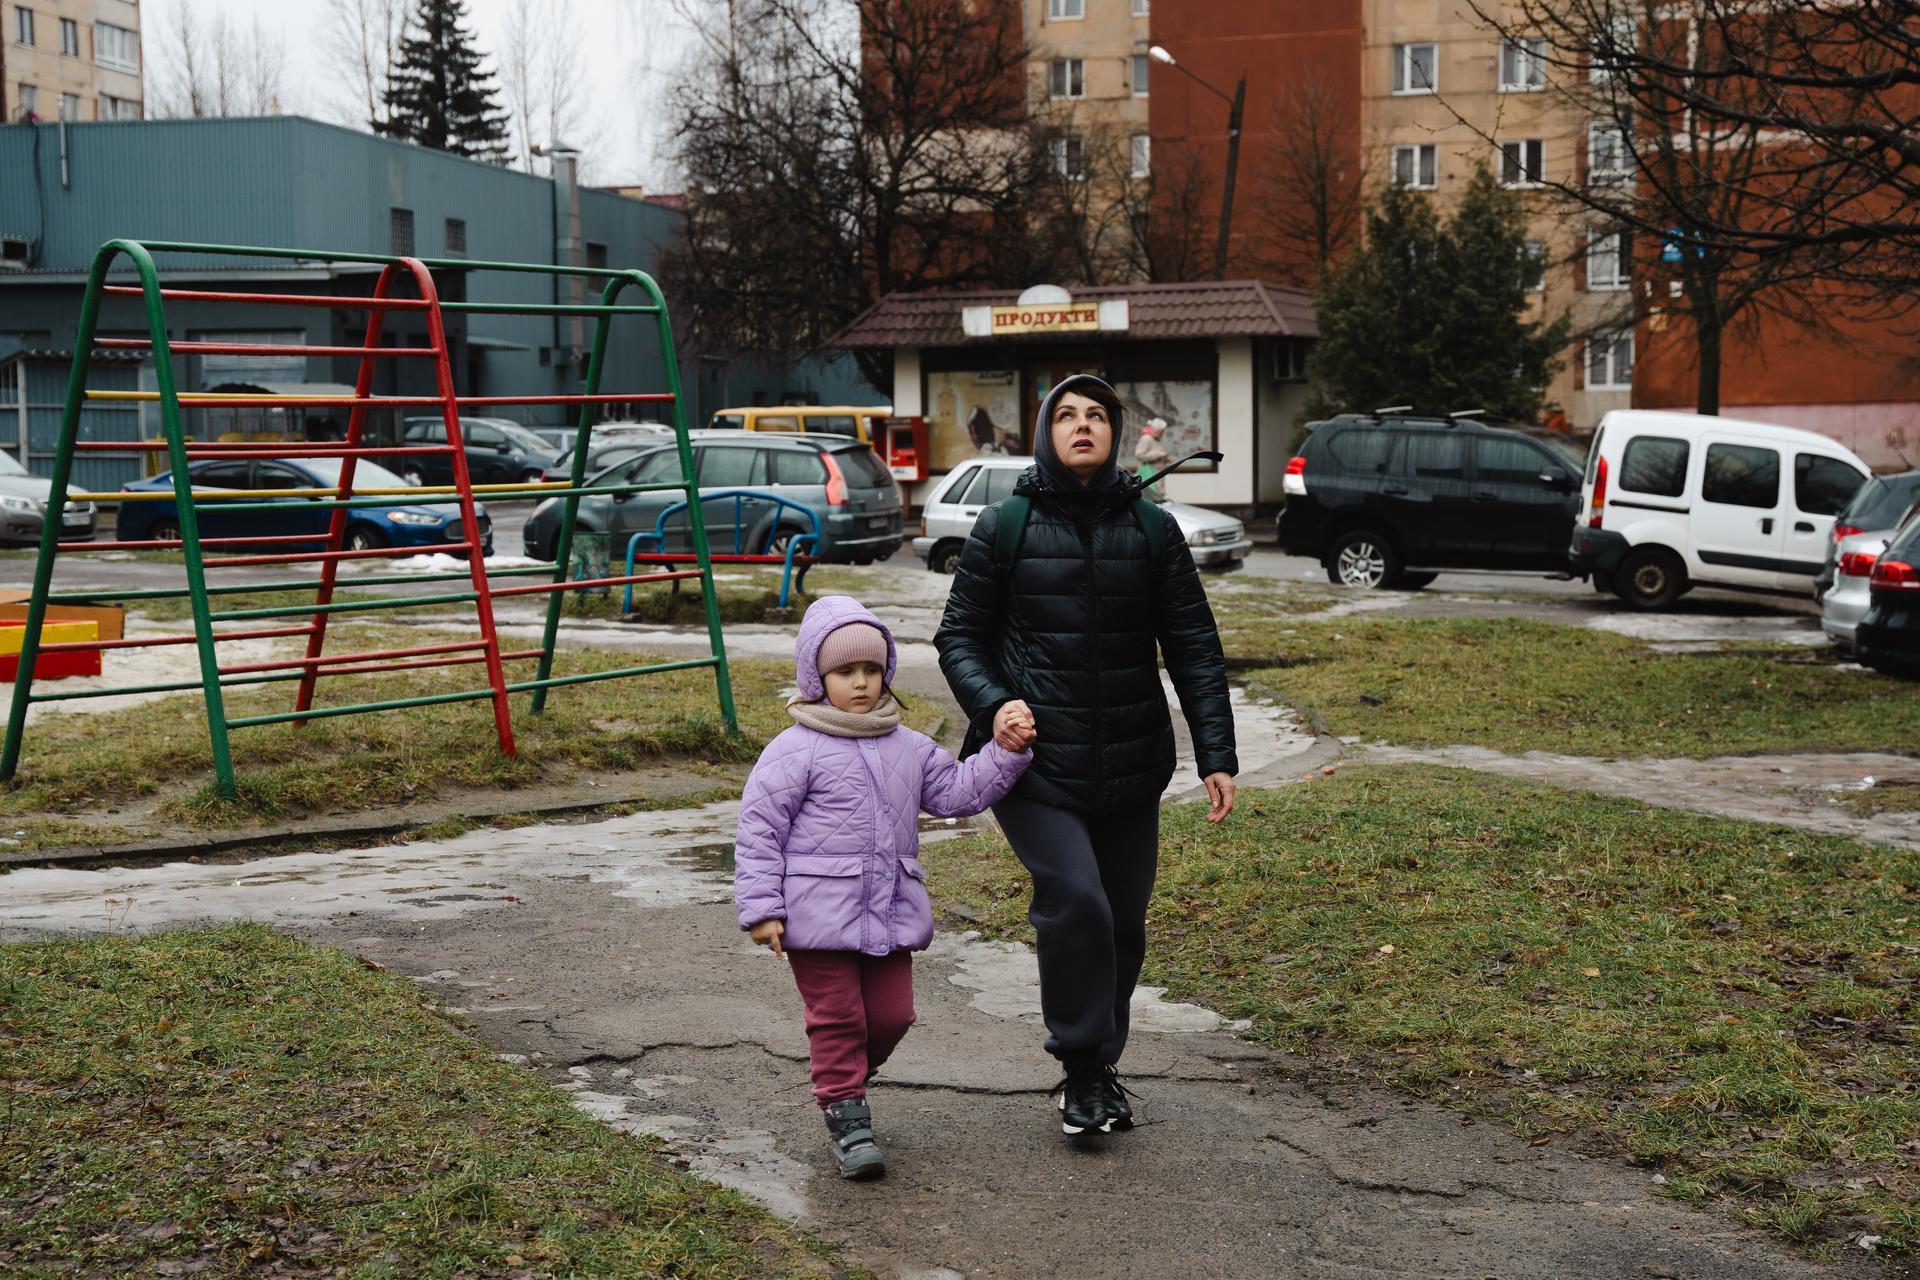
[{"x": 1202, "y": 309}]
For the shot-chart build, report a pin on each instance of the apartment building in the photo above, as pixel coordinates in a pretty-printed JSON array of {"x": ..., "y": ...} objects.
[
  {"x": 70, "y": 60},
  {"x": 1088, "y": 78},
  {"x": 1440, "y": 90}
]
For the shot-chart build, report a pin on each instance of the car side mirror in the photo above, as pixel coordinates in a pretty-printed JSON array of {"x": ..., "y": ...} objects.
[{"x": 1555, "y": 480}]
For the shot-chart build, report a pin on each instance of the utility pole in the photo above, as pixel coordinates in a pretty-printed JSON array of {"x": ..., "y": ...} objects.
[{"x": 1237, "y": 108}]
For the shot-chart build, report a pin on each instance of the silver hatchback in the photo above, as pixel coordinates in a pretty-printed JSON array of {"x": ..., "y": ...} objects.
[{"x": 1217, "y": 541}]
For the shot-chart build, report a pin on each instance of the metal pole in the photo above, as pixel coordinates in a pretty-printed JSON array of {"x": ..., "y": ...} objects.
[{"x": 1233, "y": 164}]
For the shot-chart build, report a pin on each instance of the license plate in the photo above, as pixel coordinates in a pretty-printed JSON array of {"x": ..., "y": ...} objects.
[
  {"x": 879, "y": 522},
  {"x": 76, "y": 520}
]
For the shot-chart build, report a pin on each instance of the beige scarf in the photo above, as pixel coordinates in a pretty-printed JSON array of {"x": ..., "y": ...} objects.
[{"x": 827, "y": 718}]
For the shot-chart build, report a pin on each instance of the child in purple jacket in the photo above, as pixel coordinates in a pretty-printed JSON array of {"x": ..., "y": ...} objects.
[{"x": 826, "y": 870}]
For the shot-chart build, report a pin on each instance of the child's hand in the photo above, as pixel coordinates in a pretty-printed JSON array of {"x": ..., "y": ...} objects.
[
  {"x": 768, "y": 933},
  {"x": 1013, "y": 726}
]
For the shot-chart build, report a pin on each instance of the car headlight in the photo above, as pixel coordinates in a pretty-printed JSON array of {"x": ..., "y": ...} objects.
[
  {"x": 12, "y": 503},
  {"x": 414, "y": 517}
]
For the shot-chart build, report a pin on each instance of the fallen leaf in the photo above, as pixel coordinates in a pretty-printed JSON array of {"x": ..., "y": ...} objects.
[
  {"x": 1387, "y": 950},
  {"x": 1591, "y": 972}
]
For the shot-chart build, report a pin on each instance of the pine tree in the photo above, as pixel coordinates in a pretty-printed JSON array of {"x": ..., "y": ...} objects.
[
  {"x": 1435, "y": 315},
  {"x": 440, "y": 95}
]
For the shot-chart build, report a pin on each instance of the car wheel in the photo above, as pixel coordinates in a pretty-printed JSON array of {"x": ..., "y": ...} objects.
[
  {"x": 1415, "y": 581},
  {"x": 413, "y": 473},
  {"x": 361, "y": 537},
  {"x": 163, "y": 531},
  {"x": 1650, "y": 578},
  {"x": 945, "y": 557},
  {"x": 1362, "y": 559}
]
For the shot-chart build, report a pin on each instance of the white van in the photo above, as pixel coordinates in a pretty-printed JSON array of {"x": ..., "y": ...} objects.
[{"x": 1673, "y": 501}]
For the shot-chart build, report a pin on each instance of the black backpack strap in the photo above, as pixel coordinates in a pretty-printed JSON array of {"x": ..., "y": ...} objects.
[{"x": 1010, "y": 529}]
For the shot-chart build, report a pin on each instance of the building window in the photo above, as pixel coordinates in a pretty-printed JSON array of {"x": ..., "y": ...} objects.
[
  {"x": 1610, "y": 361},
  {"x": 1607, "y": 160},
  {"x": 1140, "y": 8},
  {"x": 1413, "y": 68},
  {"x": 1142, "y": 154},
  {"x": 112, "y": 108},
  {"x": 1522, "y": 163},
  {"x": 1066, "y": 10},
  {"x": 29, "y": 101},
  {"x": 1069, "y": 156},
  {"x": 1138, "y": 74},
  {"x": 456, "y": 235},
  {"x": 1068, "y": 78},
  {"x": 69, "y": 38},
  {"x": 1606, "y": 261},
  {"x": 23, "y": 24},
  {"x": 1533, "y": 258},
  {"x": 596, "y": 255},
  {"x": 69, "y": 106},
  {"x": 1609, "y": 50},
  {"x": 1523, "y": 64},
  {"x": 1416, "y": 166},
  {"x": 116, "y": 47},
  {"x": 400, "y": 231}
]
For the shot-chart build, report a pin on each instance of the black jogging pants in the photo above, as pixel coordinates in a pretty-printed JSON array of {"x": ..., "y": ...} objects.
[{"x": 1092, "y": 881}]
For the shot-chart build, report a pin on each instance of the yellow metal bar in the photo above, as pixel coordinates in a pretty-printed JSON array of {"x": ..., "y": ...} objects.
[{"x": 412, "y": 490}]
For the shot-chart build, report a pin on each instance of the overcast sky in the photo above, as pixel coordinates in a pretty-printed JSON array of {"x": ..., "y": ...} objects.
[{"x": 629, "y": 53}]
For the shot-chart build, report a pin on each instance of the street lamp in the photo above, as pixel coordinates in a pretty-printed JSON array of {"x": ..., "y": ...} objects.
[{"x": 1238, "y": 101}]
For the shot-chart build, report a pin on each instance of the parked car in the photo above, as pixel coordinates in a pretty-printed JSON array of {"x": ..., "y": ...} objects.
[
  {"x": 429, "y": 527},
  {"x": 1888, "y": 636},
  {"x": 23, "y": 507},
  {"x": 1672, "y": 501},
  {"x": 1388, "y": 499},
  {"x": 498, "y": 452},
  {"x": 1217, "y": 541},
  {"x": 1877, "y": 507},
  {"x": 838, "y": 478},
  {"x": 607, "y": 445},
  {"x": 1845, "y": 602},
  {"x": 846, "y": 420}
]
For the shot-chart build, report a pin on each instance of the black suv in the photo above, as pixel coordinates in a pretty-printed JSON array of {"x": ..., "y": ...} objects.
[{"x": 1385, "y": 499}]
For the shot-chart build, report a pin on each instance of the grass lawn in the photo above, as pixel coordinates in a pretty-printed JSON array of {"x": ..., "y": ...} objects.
[
  {"x": 1522, "y": 686},
  {"x": 235, "y": 1102},
  {"x": 1887, "y": 797},
  {"x": 77, "y": 766},
  {"x": 1731, "y": 1004}
]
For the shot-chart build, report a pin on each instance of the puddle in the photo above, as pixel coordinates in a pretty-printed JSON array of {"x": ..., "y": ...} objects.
[{"x": 643, "y": 857}]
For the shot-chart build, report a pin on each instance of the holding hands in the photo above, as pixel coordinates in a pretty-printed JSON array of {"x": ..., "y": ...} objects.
[{"x": 1013, "y": 726}]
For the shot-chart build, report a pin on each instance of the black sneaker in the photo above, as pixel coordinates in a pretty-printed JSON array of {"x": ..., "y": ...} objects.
[
  {"x": 850, "y": 1127},
  {"x": 1082, "y": 1100},
  {"x": 1115, "y": 1095}
]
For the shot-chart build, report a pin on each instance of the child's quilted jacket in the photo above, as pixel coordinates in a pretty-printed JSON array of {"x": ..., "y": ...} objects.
[{"x": 829, "y": 834}]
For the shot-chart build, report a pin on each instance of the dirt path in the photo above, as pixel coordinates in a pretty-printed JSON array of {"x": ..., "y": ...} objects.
[{"x": 1799, "y": 790}]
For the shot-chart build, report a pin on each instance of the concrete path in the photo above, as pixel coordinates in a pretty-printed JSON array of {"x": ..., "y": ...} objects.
[{"x": 606, "y": 956}]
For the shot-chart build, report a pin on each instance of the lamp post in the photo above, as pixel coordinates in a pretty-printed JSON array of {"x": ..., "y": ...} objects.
[{"x": 1237, "y": 103}]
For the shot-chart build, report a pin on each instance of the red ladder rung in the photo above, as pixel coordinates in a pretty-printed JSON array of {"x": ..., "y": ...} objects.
[
  {"x": 258, "y": 348},
  {"x": 256, "y": 448},
  {"x": 312, "y": 557}
]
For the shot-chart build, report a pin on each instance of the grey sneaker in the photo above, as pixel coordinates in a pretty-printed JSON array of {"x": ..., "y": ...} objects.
[{"x": 850, "y": 1129}]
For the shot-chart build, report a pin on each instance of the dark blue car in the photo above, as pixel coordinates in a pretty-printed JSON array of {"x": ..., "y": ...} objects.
[{"x": 401, "y": 525}]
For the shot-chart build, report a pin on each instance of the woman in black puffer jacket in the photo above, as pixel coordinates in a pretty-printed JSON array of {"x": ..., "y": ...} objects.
[{"x": 1062, "y": 635}]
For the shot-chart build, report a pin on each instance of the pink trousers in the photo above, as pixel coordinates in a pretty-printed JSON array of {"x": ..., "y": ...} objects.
[{"x": 858, "y": 1006}]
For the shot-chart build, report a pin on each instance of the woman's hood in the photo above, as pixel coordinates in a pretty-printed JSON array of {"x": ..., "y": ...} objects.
[
  {"x": 1049, "y": 461},
  {"x": 823, "y": 617}
]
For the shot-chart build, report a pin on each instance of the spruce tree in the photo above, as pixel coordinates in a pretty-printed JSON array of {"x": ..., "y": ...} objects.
[
  {"x": 440, "y": 95},
  {"x": 1436, "y": 315}
]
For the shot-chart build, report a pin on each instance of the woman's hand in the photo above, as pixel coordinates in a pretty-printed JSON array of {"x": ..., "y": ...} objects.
[
  {"x": 1013, "y": 726},
  {"x": 768, "y": 934},
  {"x": 1220, "y": 792}
]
